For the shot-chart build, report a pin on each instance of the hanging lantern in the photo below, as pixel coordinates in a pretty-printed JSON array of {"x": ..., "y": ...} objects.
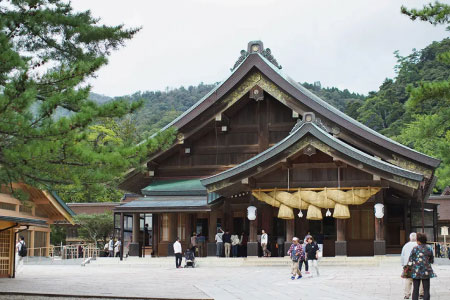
[
  {"x": 251, "y": 213},
  {"x": 328, "y": 213},
  {"x": 379, "y": 210},
  {"x": 300, "y": 214}
]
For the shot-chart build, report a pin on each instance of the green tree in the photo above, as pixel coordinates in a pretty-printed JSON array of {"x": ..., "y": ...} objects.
[
  {"x": 95, "y": 227},
  {"x": 47, "y": 52},
  {"x": 58, "y": 235},
  {"x": 429, "y": 101}
]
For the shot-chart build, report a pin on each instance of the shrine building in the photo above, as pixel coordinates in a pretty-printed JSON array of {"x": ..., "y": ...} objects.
[{"x": 260, "y": 140}]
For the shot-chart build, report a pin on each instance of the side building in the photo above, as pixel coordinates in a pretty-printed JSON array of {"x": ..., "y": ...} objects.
[
  {"x": 30, "y": 219},
  {"x": 259, "y": 140}
]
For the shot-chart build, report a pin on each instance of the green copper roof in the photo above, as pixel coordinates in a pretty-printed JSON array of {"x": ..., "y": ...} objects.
[
  {"x": 62, "y": 203},
  {"x": 175, "y": 188},
  {"x": 23, "y": 220}
]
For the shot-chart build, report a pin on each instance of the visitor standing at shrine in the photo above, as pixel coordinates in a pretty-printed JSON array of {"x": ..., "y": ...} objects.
[
  {"x": 227, "y": 242},
  {"x": 177, "y": 250},
  {"x": 234, "y": 245},
  {"x": 219, "y": 242},
  {"x": 264, "y": 243}
]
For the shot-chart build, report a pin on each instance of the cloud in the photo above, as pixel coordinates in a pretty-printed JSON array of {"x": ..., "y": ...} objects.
[{"x": 348, "y": 44}]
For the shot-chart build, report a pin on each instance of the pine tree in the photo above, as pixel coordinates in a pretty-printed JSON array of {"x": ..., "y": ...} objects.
[{"x": 47, "y": 53}]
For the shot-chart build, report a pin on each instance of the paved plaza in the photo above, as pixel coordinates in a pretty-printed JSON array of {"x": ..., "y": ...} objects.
[{"x": 270, "y": 282}]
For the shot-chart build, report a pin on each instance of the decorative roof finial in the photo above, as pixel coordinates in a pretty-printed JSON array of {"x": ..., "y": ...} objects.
[{"x": 256, "y": 47}]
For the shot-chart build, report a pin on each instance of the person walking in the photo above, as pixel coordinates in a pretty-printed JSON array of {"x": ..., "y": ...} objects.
[
  {"x": 227, "y": 242},
  {"x": 234, "y": 245},
  {"x": 117, "y": 247},
  {"x": 406, "y": 252},
  {"x": 111, "y": 247},
  {"x": 21, "y": 252},
  {"x": 219, "y": 242},
  {"x": 296, "y": 254},
  {"x": 304, "y": 260},
  {"x": 194, "y": 242},
  {"x": 420, "y": 261},
  {"x": 264, "y": 243},
  {"x": 178, "y": 253},
  {"x": 438, "y": 250},
  {"x": 312, "y": 254}
]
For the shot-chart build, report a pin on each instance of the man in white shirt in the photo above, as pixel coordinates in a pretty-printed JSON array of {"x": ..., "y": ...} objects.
[
  {"x": 219, "y": 242},
  {"x": 111, "y": 247},
  {"x": 264, "y": 243},
  {"x": 117, "y": 247},
  {"x": 178, "y": 253},
  {"x": 406, "y": 252}
]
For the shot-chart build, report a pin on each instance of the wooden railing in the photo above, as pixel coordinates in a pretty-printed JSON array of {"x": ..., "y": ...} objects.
[{"x": 64, "y": 252}]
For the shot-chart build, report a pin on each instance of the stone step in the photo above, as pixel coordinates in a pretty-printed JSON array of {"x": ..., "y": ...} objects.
[{"x": 250, "y": 261}]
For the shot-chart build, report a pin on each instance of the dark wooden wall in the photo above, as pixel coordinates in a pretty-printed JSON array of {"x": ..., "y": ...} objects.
[{"x": 252, "y": 127}]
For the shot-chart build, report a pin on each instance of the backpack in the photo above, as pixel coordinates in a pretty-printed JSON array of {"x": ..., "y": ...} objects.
[{"x": 23, "y": 250}]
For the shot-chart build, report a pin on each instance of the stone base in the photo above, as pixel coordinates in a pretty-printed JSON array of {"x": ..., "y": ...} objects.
[
  {"x": 134, "y": 249},
  {"x": 211, "y": 249},
  {"x": 252, "y": 249},
  {"x": 379, "y": 247},
  {"x": 340, "y": 248},
  {"x": 287, "y": 246},
  {"x": 170, "y": 251}
]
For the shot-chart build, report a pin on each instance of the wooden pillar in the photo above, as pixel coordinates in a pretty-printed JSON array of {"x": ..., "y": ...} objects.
[
  {"x": 155, "y": 233},
  {"x": 290, "y": 231},
  {"x": 189, "y": 229},
  {"x": 121, "y": 235},
  {"x": 134, "y": 245},
  {"x": 47, "y": 245},
  {"x": 212, "y": 230},
  {"x": 136, "y": 228},
  {"x": 340, "y": 246},
  {"x": 379, "y": 244},
  {"x": 32, "y": 232}
]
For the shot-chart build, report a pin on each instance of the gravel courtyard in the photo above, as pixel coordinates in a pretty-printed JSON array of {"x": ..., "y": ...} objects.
[{"x": 147, "y": 282}]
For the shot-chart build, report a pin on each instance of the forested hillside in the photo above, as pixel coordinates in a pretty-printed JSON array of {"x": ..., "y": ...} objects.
[
  {"x": 424, "y": 126},
  {"x": 161, "y": 107}
]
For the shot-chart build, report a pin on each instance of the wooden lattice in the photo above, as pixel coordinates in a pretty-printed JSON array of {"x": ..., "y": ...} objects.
[{"x": 5, "y": 252}]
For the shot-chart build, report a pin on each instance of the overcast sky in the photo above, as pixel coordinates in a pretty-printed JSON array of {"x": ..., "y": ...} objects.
[{"x": 343, "y": 43}]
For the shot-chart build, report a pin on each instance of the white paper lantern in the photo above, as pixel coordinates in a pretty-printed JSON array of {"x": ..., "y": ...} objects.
[
  {"x": 328, "y": 213},
  {"x": 379, "y": 210},
  {"x": 251, "y": 213},
  {"x": 300, "y": 214}
]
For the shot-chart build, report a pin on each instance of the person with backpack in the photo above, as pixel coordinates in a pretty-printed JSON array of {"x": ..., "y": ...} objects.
[
  {"x": 296, "y": 254},
  {"x": 22, "y": 251}
]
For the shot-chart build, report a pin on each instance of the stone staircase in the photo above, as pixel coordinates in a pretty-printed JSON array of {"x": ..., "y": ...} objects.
[{"x": 249, "y": 261}]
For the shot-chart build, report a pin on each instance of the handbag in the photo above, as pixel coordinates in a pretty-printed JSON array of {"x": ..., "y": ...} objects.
[{"x": 407, "y": 271}]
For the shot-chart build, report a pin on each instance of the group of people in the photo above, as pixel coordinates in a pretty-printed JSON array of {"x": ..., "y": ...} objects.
[
  {"x": 416, "y": 259},
  {"x": 230, "y": 244},
  {"x": 442, "y": 250},
  {"x": 111, "y": 248},
  {"x": 303, "y": 252}
]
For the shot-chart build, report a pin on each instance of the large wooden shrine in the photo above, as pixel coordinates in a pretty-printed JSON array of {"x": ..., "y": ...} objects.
[{"x": 260, "y": 139}]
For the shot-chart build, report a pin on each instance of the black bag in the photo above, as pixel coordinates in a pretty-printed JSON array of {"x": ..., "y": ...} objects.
[
  {"x": 295, "y": 258},
  {"x": 23, "y": 250}
]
